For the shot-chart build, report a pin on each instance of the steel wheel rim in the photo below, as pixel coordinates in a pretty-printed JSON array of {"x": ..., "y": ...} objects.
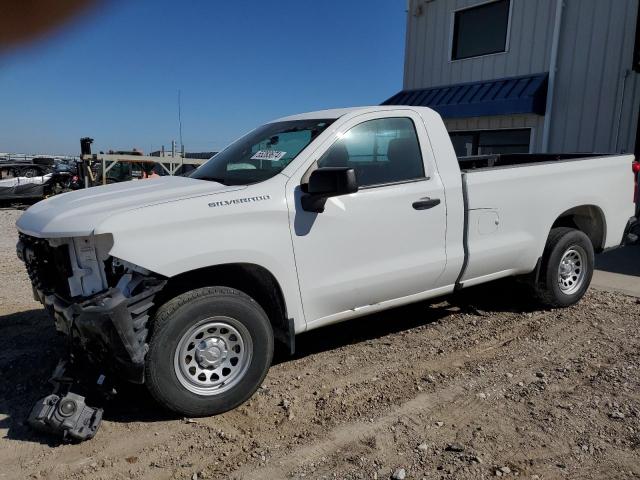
[
  {"x": 213, "y": 356},
  {"x": 572, "y": 271}
]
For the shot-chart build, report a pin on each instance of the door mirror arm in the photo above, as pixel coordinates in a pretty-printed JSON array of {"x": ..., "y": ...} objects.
[{"x": 325, "y": 183}]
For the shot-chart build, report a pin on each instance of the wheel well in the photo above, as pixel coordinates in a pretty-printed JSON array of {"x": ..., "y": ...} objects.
[
  {"x": 254, "y": 280},
  {"x": 589, "y": 219}
]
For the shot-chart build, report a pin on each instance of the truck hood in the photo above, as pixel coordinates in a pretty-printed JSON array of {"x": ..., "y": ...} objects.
[{"x": 78, "y": 213}]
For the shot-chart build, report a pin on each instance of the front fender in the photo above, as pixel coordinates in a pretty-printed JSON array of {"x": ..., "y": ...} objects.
[{"x": 178, "y": 237}]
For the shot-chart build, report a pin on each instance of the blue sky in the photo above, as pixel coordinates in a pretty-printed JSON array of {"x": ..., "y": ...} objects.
[{"x": 114, "y": 74}]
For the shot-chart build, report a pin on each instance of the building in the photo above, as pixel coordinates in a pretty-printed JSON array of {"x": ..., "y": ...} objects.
[{"x": 527, "y": 75}]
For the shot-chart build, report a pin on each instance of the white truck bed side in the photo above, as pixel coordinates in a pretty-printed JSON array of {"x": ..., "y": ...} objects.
[{"x": 509, "y": 207}]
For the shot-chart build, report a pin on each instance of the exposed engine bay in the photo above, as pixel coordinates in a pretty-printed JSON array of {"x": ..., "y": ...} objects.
[
  {"x": 100, "y": 302},
  {"x": 102, "y": 305}
]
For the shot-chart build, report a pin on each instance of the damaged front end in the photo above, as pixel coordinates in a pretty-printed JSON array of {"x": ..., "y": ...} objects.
[{"x": 100, "y": 302}]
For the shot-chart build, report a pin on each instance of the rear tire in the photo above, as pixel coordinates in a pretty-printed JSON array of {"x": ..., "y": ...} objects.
[
  {"x": 209, "y": 351},
  {"x": 566, "y": 268}
]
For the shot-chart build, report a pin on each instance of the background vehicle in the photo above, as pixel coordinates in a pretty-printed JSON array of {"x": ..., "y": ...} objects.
[
  {"x": 307, "y": 221},
  {"x": 36, "y": 179},
  {"x": 34, "y": 168}
]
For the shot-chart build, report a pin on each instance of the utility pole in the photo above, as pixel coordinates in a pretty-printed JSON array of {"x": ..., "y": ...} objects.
[{"x": 180, "y": 120}]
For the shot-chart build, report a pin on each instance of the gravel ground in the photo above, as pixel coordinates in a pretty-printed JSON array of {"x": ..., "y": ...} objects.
[{"x": 480, "y": 385}]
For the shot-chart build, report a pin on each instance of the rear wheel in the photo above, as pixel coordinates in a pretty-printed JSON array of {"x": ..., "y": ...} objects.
[
  {"x": 210, "y": 350},
  {"x": 566, "y": 269}
]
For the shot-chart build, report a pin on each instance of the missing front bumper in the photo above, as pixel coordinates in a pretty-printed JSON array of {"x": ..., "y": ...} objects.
[{"x": 109, "y": 328}]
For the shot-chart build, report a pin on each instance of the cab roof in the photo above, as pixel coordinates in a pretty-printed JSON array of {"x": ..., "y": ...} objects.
[{"x": 340, "y": 112}]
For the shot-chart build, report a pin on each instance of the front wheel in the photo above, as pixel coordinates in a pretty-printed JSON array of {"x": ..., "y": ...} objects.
[
  {"x": 566, "y": 269},
  {"x": 209, "y": 351}
]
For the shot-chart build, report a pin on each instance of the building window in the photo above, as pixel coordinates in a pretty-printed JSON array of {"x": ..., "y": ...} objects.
[
  {"x": 489, "y": 142},
  {"x": 480, "y": 30}
]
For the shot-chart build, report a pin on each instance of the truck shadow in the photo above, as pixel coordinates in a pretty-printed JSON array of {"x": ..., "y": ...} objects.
[
  {"x": 31, "y": 347},
  {"x": 29, "y": 351},
  {"x": 501, "y": 296},
  {"x": 625, "y": 261}
]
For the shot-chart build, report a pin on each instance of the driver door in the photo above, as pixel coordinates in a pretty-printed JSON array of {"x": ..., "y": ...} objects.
[{"x": 380, "y": 243}]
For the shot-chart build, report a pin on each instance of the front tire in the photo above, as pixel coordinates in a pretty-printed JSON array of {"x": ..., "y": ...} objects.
[
  {"x": 209, "y": 351},
  {"x": 566, "y": 268}
]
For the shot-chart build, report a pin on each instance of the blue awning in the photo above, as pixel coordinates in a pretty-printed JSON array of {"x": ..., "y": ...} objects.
[{"x": 504, "y": 96}]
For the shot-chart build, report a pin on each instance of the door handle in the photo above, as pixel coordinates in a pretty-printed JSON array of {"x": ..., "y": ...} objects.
[{"x": 426, "y": 203}]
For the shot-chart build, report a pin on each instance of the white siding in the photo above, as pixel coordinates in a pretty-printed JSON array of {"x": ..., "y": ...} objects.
[
  {"x": 427, "y": 60},
  {"x": 595, "y": 52}
]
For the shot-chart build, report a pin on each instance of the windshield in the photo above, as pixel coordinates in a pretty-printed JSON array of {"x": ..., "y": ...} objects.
[{"x": 262, "y": 153}]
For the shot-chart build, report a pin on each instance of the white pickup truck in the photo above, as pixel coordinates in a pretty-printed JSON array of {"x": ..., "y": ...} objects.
[{"x": 184, "y": 284}]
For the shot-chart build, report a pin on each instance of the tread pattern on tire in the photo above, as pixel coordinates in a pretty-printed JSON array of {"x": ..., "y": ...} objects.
[
  {"x": 543, "y": 291},
  {"x": 162, "y": 321}
]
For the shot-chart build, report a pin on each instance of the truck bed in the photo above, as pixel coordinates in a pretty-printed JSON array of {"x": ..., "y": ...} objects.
[
  {"x": 517, "y": 159},
  {"x": 510, "y": 199}
]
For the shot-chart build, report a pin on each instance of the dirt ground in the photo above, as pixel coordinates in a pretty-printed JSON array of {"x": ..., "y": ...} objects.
[{"x": 484, "y": 384}]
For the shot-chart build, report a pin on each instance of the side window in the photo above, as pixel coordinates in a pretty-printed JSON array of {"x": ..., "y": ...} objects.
[{"x": 380, "y": 151}]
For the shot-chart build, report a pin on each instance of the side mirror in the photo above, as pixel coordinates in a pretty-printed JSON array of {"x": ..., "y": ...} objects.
[{"x": 325, "y": 183}]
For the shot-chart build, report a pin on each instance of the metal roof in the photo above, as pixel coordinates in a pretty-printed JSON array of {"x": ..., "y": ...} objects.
[{"x": 504, "y": 96}]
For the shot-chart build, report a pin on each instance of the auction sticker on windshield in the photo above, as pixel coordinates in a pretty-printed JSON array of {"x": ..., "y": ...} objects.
[{"x": 270, "y": 155}]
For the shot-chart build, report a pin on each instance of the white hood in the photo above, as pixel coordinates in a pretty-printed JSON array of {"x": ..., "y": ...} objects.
[{"x": 78, "y": 213}]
